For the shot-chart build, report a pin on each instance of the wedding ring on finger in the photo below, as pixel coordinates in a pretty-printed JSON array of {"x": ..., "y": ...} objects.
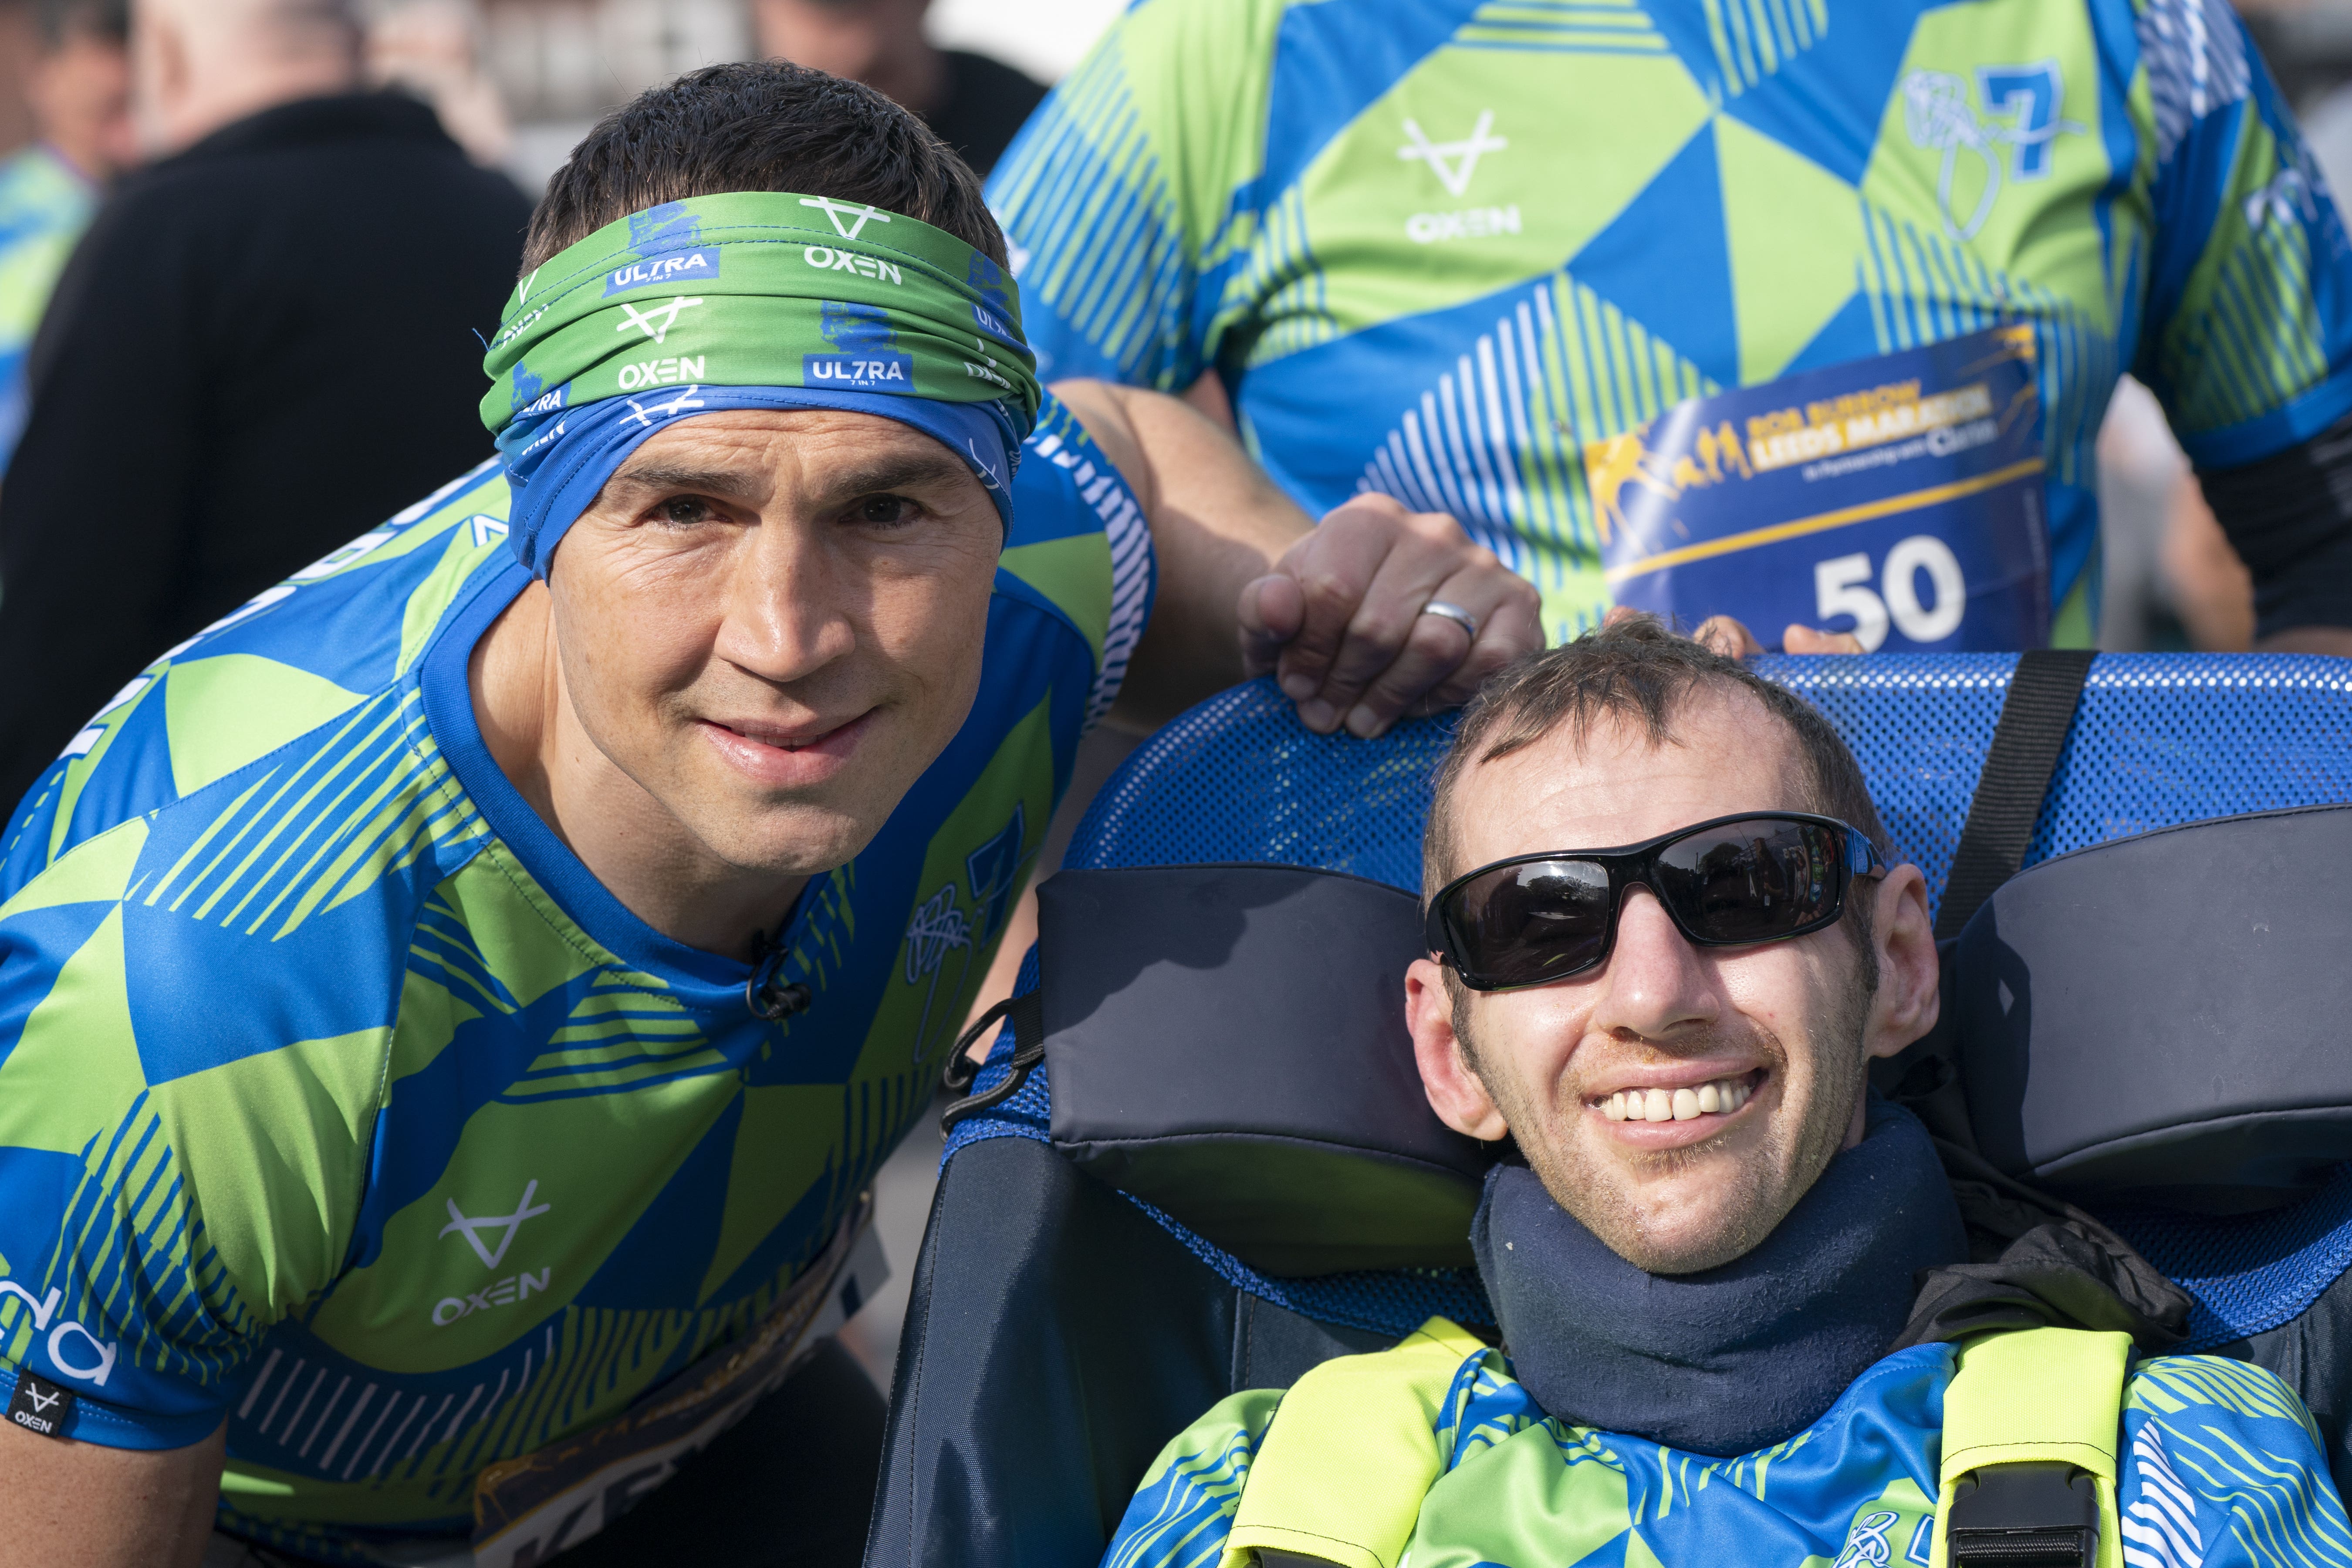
[{"x": 1454, "y": 613}]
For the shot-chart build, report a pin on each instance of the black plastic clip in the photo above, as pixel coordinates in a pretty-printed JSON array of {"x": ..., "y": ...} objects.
[
  {"x": 1028, "y": 1017},
  {"x": 761, "y": 994},
  {"x": 2038, "y": 1514}
]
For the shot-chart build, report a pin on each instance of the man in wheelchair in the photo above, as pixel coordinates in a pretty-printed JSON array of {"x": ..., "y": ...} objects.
[{"x": 1724, "y": 1268}]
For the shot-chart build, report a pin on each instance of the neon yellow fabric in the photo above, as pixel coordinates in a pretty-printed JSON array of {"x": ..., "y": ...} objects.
[
  {"x": 2037, "y": 1393},
  {"x": 1351, "y": 1452}
]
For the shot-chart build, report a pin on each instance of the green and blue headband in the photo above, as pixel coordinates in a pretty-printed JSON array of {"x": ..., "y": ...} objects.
[{"x": 751, "y": 299}]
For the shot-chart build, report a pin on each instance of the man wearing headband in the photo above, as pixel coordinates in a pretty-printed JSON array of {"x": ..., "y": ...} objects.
[{"x": 451, "y": 1010}]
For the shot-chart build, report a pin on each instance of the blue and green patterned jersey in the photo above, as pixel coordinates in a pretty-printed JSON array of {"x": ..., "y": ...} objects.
[
  {"x": 339, "y": 1102},
  {"x": 45, "y": 204},
  {"x": 2219, "y": 1467},
  {"x": 1437, "y": 247}
]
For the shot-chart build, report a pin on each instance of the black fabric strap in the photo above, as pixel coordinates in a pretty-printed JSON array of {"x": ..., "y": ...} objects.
[
  {"x": 1027, "y": 1011},
  {"x": 2043, "y": 693}
]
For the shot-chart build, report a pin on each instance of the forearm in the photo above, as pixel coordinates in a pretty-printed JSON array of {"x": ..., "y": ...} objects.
[
  {"x": 95, "y": 1507},
  {"x": 2289, "y": 518},
  {"x": 1217, "y": 524}
]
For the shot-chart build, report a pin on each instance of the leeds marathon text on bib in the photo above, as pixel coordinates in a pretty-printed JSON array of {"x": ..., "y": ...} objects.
[{"x": 1898, "y": 498}]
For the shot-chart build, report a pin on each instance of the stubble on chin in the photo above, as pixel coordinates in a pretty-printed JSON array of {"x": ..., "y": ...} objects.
[{"x": 1748, "y": 1187}]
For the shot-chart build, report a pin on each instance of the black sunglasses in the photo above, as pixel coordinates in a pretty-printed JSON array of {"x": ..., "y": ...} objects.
[{"x": 1761, "y": 876}]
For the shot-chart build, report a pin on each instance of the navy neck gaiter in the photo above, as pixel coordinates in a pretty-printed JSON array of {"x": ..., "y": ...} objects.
[{"x": 1740, "y": 1357}]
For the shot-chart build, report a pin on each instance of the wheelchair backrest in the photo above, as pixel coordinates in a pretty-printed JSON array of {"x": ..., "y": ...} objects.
[{"x": 2159, "y": 739}]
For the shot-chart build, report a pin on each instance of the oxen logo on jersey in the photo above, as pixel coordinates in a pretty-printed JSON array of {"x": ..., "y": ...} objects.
[
  {"x": 1454, "y": 162},
  {"x": 2010, "y": 136},
  {"x": 471, "y": 1229}
]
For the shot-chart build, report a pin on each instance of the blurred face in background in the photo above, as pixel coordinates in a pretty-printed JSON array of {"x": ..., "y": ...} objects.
[
  {"x": 878, "y": 42},
  {"x": 80, "y": 98}
]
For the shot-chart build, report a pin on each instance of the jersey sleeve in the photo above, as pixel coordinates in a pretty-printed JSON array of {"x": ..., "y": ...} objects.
[
  {"x": 2221, "y": 1469},
  {"x": 1081, "y": 546},
  {"x": 1183, "y": 1512},
  {"x": 2248, "y": 332},
  {"x": 185, "y": 1121},
  {"x": 1128, "y": 194}
]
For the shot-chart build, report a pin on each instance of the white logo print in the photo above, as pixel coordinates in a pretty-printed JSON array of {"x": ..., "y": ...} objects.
[
  {"x": 670, "y": 410},
  {"x": 1939, "y": 118},
  {"x": 1453, "y": 162},
  {"x": 834, "y": 209},
  {"x": 44, "y": 1309},
  {"x": 665, "y": 313},
  {"x": 472, "y": 1228}
]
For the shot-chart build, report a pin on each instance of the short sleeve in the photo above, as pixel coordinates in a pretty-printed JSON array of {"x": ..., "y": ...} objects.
[
  {"x": 2248, "y": 336},
  {"x": 1081, "y": 543},
  {"x": 168, "y": 1191},
  {"x": 1128, "y": 196},
  {"x": 1183, "y": 1512},
  {"x": 2221, "y": 1469}
]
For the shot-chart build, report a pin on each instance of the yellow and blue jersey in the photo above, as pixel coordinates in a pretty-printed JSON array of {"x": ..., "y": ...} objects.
[
  {"x": 339, "y": 1102},
  {"x": 2219, "y": 1467},
  {"x": 1439, "y": 249}
]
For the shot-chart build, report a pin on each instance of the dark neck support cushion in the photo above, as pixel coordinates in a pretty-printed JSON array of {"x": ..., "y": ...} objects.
[
  {"x": 1228, "y": 1043},
  {"x": 2165, "y": 1016}
]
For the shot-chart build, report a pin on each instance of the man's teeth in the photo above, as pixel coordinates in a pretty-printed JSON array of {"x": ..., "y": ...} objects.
[{"x": 1722, "y": 1097}]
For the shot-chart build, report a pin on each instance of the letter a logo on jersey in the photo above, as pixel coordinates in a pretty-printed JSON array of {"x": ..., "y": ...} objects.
[
  {"x": 1454, "y": 162},
  {"x": 472, "y": 1228}
]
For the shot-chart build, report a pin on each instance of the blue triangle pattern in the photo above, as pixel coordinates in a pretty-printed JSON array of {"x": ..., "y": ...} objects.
[{"x": 1665, "y": 261}]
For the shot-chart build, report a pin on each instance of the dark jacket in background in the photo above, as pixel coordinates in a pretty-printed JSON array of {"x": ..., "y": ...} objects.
[
  {"x": 264, "y": 346},
  {"x": 985, "y": 102}
]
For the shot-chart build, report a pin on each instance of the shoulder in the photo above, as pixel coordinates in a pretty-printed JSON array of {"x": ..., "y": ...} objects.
[{"x": 1080, "y": 544}]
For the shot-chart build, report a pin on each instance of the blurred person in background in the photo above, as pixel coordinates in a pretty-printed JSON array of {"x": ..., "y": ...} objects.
[
  {"x": 1344, "y": 229},
  {"x": 434, "y": 50},
  {"x": 79, "y": 94},
  {"x": 250, "y": 315},
  {"x": 972, "y": 102}
]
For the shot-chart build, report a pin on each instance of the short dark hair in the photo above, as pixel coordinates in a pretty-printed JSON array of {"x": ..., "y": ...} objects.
[
  {"x": 62, "y": 20},
  {"x": 1634, "y": 671},
  {"x": 760, "y": 125}
]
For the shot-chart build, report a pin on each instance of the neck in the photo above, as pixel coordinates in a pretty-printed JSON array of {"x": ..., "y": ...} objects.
[
  {"x": 665, "y": 875},
  {"x": 264, "y": 83},
  {"x": 1739, "y": 1357}
]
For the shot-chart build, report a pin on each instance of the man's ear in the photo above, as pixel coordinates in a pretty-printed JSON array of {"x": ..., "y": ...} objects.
[
  {"x": 1454, "y": 1092},
  {"x": 1909, "y": 974}
]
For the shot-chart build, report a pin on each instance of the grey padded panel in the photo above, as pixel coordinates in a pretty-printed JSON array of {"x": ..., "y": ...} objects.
[
  {"x": 2168, "y": 1016},
  {"x": 1228, "y": 1043}
]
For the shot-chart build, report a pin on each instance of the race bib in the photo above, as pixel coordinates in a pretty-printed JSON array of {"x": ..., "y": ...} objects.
[{"x": 1899, "y": 499}]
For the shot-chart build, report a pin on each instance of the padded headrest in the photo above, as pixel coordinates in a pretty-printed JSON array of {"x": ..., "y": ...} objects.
[
  {"x": 2167, "y": 1016},
  {"x": 1228, "y": 1043}
]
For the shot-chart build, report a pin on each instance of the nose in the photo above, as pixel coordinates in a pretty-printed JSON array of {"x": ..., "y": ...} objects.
[
  {"x": 792, "y": 605},
  {"x": 1655, "y": 985}
]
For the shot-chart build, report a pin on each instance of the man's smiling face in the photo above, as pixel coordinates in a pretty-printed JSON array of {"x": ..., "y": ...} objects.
[
  {"x": 1775, "y": 1035},
  {"x": 772, "y": 622}
]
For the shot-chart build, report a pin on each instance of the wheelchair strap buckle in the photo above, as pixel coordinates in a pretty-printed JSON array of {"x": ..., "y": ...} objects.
[{"x": 2039, "y": 1514}]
